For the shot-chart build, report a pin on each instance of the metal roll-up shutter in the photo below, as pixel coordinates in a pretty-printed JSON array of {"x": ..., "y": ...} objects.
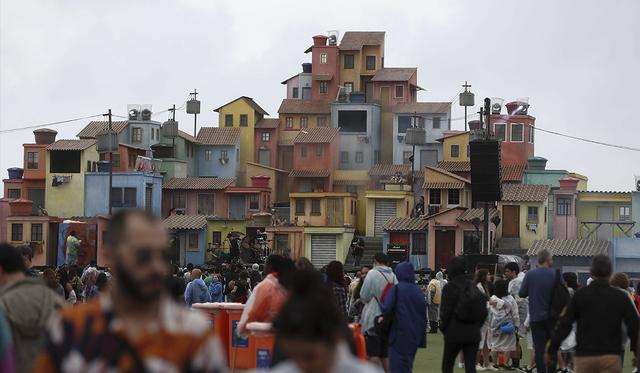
[
  {"x": 385, "y": 209},
  {"x": 323, "y": 249}
]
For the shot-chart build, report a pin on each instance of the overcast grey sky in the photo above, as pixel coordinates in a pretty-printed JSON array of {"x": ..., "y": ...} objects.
[{"x": 577, "y": 61}]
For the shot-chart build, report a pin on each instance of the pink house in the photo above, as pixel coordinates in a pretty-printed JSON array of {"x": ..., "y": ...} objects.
[{"x": 564, "y": 209}]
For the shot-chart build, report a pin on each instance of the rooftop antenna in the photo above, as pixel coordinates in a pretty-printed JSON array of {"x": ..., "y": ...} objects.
[
  {"x": 193, "y": 107},
  {"x": 466, "y": 99}
]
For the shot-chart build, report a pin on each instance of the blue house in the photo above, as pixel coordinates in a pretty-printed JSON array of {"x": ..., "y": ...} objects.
[
  {"x": 188, "y": 234},
  {"x": 218, "y": 152},
  {"x": 131, "y": 189},
  {"x": 359, "y": 125}
]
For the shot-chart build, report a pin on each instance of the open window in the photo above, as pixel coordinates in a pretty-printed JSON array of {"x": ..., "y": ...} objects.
[{"x": 352, "y": 121}]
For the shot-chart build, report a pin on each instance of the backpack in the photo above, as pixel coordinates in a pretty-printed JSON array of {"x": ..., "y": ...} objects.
[
  {"x": 559, "y": 298},
  {"x": 471, "y": 306}
]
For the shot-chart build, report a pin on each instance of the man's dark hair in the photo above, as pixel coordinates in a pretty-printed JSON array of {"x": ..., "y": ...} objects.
[
  {"x": 25, "y": 250},
  {"x": 381, "y": 258},
  {"x": 189, "y": 267},
  {"x": 513, "y": 267},
  {"x": 457, "y": 267},
  {"x": 117, "y": 225},
  {"x": 601, "y": 266},
  {"x": 11, "y": 260},
  {"x": 366, "y": 266},
  {"x": 73, "y": 233}
]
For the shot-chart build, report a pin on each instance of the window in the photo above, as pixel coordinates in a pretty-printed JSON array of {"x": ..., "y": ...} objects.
[
  {"x": 419, "y": 244},
  {"x": 179, "y": 200},
  {"x": 532, "y": 215},
  {"x": 453, "y": 197},
  {"x": 208, "y": 155},
  {"x": 300, "y": 205},
  {"x": 563, "y": 206},
  {"x": 319, "y": 149},
  {"x": 16, "y": 232},
  {"x": 289, "y": 122},
  {"x": 194, "y": 241},
  {"x": 348, "y": 61},
  {"x": 33, "y": 160},
  {"x": 404, "y": 123},
  {"x": 265, "y": 136},
  {"x": 224, "y": 154},
  {"x": 64, "y": 161},
  {"x": 344, "y": 157},
  {"x": 517, "y": 134},
  {"x": 323, "y": 58},
  {"x": 216, "y": 238},
  {"x": 132, "y": 160},
  {"x": 406, "y": 157},
  {"x": 324, "y": 87},
  {"x": 399, "y": 91},
  {"x": 123, "y": 197},
  {"x": 352, "y": 189},
  {"x": 531, "y": 131},
  {"x": 36, "y": 232},
  {"x": 254, "y": 202},
  {"x": 136, "y": 134},
  {"x": 436, "y": 122},
  {"x": 455, "y": 151},
  {"x": 13, "y": 193},
  {"x": 244, "y": 120},
  {"x": 228, "y": 120},
  {"x": 359, "y": 157},
  {"x": 315, "y": 206},
  {"x": 371, "y": 62},
  {"x": 206, "y": 204},
  {"x": 304, "y": 122},
  {"x": 435, "y": 197},
  {"x": 303, "y": 151},
  {"x": 500, "y": 131},
  {"x": 351, "y": 121},
  {"x": 322, "y": 121},
  {"x": 295, "y": 92},
  {"x": 625, "y": 213},
  {"x": 189, "y": 150},
  {"x": 348, "y": 87}
]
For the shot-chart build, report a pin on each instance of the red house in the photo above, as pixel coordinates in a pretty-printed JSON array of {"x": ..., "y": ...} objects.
[
  {"x": 325, "y": 69},
  {"x": 516, "y": 130},
  {"x": 266, "y": 135},
  {"x": 315, "y": 159}
]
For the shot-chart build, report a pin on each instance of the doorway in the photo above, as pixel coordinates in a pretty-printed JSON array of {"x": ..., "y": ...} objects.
[
  {"x": 511, "y": 221},
  {"x": 445, "y": 248}
]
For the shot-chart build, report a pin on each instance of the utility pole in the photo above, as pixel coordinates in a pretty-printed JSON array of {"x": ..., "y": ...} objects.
[
  {"x": 173, "y": 139},
  {"x": 110, "y": 162}
]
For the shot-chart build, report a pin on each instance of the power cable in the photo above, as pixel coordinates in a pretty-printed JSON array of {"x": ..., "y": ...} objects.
[{"x": 49, "y": 124}]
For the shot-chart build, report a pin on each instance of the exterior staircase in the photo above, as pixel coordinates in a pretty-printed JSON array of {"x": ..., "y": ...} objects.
[
  {"x": 372, "y": 246},
  {"x": 509, "y": 246}
]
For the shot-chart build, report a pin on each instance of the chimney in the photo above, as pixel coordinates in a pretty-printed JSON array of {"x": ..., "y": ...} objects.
[
  {"x": 537, "y": 163},
  {"x": 320, "y": 40},
  {"x": 260, "y": 181},
  {"x": 568, "y": 183},
  {"x": 45, "y": 136}
]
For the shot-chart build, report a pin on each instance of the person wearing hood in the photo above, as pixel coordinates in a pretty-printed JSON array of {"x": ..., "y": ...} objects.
[
  {"x": 196, "y": 291},
  {"x": 215, "y": 289},
  {"x": 27, "y": 304},
  {"x": 406, "y": 302},
  {"x": 434, "y": 294},
  {"x": 374, "y": 289}
]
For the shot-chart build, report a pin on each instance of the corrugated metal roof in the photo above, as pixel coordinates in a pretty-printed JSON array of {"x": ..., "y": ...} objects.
[
  {"x": 179, "y": 222},
  {"x": 310, "y": 173},
  {"x": 525, "y": 193},
  {"x": 316, "y": 135},
  {"x": 389, "y": 169},
  {"x": 81, "y": 144},
  {"x": 199, "y": 183},
  {"x": 405, "y": 224},
  {"x": 455, "y": 166},
  {"x": 470, "y": 214},
  {"x": 579, "y": 247},
  {"x": 293, "y": 106},
  {"x": 268, "y": 123},
  {"x": 251, "y": 103},
  {"x": 513, "y": 172},
  {"x": 423, "y": 107},
  {"x": 394, "y": 74},
  {"x": 355, "y": 40},
  {"x": 91, "y": 130},
  {"x": 225, "y": 136},
  {"x": 443, "y": 185}
]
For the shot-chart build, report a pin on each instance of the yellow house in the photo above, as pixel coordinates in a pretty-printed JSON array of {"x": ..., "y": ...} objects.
[
  {"x": 243, "y": 113},
  {"x": 325, "y": 244},
  {"x": 217, "y": 231},
  {"x": 279, "y": 180},
  {"x": 323, "y": 209},
  {"x": 67, "y": 163},
  {"x": 445, "y": 190},
  {"x": 523, "y": 212},
  {"x": 354, "y": 181},
  {"x": 396, "y": 201},
  {"x": 455, "y": 145},
  {"x": 361, "y": 56}
]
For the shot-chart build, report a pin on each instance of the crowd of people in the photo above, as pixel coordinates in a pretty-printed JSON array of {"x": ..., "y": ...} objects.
[{"x": 138, "y": 315}]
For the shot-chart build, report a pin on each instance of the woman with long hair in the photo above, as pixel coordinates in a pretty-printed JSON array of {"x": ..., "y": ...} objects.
[
  {"x": 504, "y": 320},
  {"x": 336, "y": 283},
  {"x": 481, "y": 280}
]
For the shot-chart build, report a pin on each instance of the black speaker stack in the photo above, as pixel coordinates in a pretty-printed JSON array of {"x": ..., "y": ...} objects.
[{"x": 486, "y": 176}]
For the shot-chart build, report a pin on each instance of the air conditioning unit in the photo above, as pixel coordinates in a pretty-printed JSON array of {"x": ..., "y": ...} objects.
[{"x": 532, "y": 227}]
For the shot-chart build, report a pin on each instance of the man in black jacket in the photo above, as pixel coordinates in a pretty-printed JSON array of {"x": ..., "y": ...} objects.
[
  {"x": 599, "y": 311},
  {"x": 458, "y": 335}
]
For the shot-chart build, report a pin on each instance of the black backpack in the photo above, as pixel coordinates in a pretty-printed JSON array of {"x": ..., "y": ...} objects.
[
  {"x": 559, "y": 298},
  {"x": 471, "y": 306}
]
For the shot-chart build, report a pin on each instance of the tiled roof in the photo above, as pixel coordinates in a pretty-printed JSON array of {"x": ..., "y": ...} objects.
[
  {"x": 423, "y": 107},
  {"x": 470, "y": 214},
  {"x": 310, "y": 173},
  {"x": 405, "y": 224},
  {"x": 292, "y": 106},
  {"x": 81, "y": 144},
  {"x": 455, "y": 166},
  {"x": 267, "y": 167},
  {"x": 525, "y": 193},
  {"x": 91, "y": 130},
  {"x": 199, "y": 183},
  {"x": 603, "y": 192},
  {"x": 355, "y": 40},
  {"x": 445, "y": 172},
  {"x": 186, "y": 136},
  {"x": 443, "y": 185},
  {"x": 268, "y": 123},
  {"x": 350, "y": 182},
  {"x": 316, "y": 135},
  {"x": 251, "y": 103},
  {"x": 512, "y": 172},
  {"x": 185, "y": 222},
  {"x": 394, "y": 74},
  {"x": 218, "y": 135},
  {"x": 389, "y": 169},
  {"x": 578, "y": 247}
]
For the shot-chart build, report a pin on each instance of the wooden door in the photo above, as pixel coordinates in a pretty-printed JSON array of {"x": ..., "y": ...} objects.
[
  {"x": 511, "y": 221},
  {"x": 335, "y": 212},
  {"x": 445, "y": 248}
]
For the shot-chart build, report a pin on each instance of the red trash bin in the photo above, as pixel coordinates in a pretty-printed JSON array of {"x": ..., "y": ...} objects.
[
  {"x": 219, "y": 321},
  {"x": 262, "y": 333},
  {"x": 241, "y": 348}
]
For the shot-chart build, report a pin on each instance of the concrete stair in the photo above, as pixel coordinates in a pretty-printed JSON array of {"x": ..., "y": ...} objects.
[{"x": 372, "y": 246}]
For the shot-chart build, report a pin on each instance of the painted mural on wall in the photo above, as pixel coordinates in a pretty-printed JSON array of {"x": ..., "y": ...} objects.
[{"x": 86, "y": 233}]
